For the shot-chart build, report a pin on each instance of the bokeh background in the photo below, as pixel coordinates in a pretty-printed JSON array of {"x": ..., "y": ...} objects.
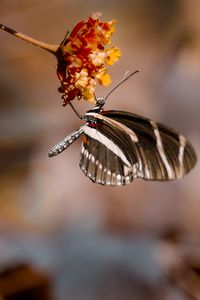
[{"x": 90, "y": 241}]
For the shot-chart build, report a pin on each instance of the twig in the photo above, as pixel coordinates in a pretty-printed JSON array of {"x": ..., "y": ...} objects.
[{"x": 48, "y": 47}]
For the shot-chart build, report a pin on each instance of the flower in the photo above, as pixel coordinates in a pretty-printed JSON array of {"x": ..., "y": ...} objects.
[{"x": 83, "y": 56}]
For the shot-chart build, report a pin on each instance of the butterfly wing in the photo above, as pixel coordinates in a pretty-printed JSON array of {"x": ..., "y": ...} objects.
[
  {"x": 121, "y": 146},
  {"x": 106, "y": 155},
  {"x": 165, "y": 153}
]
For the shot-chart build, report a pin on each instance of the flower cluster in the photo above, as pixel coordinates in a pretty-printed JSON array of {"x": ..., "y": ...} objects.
[{"x": 82, "y": 58}]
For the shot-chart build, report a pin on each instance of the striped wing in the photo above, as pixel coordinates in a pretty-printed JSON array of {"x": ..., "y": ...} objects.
[
  {"x": 103, "y": 161},
  {"x": 163, "y": 152},
  {"x": 122, "y": 146}
]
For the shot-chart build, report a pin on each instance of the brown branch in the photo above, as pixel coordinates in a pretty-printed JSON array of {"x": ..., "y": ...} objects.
[{"x": 48, "y": 47}]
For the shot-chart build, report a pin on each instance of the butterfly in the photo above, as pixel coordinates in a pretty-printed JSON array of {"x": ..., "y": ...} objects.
[{"x": 119, "y": 146}]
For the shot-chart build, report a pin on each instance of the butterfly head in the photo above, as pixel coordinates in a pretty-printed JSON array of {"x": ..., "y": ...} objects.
[{"x": 100, "y": 102}]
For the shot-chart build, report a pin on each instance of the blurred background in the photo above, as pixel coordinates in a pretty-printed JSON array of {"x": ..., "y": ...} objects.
[{"x": 62, "y": 236}]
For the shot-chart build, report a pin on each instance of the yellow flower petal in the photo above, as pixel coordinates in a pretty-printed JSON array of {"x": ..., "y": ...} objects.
[
  {"x": 103, "y": 78},
  {"x": 112, "y": 56},
  {"x": 89, "y": 96},
  {"x": 112, "y": 25}
]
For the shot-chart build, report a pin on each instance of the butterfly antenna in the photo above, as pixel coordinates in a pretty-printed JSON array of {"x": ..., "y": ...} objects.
[
  {"x": 122, "y": 81},
  {"x": 76, "y": 112}
]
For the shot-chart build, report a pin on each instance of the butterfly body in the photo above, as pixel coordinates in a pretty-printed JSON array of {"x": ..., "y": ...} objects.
[{"x": 120, "y": 146}]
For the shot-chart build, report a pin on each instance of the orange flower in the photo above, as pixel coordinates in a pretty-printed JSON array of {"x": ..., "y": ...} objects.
[{"x": 82, "y": 58}]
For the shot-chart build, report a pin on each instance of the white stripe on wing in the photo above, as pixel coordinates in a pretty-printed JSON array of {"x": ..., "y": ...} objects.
[
  {"x": 161, "y": 151},
  {"x": 93, "y": 133}
]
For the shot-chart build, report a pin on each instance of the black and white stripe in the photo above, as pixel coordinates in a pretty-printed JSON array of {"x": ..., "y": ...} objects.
[{"x": 120, "y": 146}]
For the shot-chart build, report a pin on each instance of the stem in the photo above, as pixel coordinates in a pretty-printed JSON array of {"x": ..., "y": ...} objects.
[{"x": 48, "y": 47}]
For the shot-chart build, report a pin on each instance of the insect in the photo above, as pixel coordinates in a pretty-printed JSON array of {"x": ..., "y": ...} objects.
[{"x": 120, "y": 146}]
